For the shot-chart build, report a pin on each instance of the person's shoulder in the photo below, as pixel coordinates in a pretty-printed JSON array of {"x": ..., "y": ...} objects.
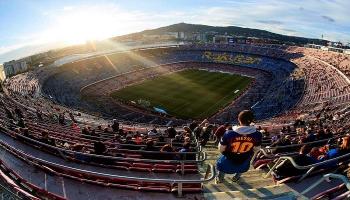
[{"x": 230, "y": 132}]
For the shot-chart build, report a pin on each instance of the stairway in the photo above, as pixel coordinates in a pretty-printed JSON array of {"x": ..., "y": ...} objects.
[{"x": 252, "y": 184}]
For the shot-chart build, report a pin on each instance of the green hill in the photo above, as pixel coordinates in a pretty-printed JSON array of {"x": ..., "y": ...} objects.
[{"x": 230, "y": 30}]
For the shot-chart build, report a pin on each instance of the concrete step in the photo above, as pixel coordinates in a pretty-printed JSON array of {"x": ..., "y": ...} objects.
[
  {"x": 244, "y": 183},
  {"x": 277, "y": 192}
]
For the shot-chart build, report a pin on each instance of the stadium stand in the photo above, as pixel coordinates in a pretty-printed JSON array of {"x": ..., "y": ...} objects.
[{"x": 56, "y": 143}]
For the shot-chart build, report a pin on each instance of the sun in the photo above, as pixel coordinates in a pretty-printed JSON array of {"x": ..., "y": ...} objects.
[{"x": 80, "y": 25}]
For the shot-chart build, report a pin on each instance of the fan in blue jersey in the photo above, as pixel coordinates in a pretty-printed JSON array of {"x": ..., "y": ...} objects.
[{"x": 237, "y": 147}]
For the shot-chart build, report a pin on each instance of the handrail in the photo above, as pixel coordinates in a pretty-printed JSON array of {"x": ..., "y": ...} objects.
[
  {"x": 201, "y": 155},
  {"x": 32, "y": 159},
  {"x": 60, "y": 150},
  {"x": 197, "y": 145},
  {"x": 266, "y": 149},
  {"x": 9, "y": 192},
  {"x": 306, "y": 143},
  {"x": 309, "y": 167},
  {"x": 327, "y": 177},
  {"x": 195, "y": 142}
]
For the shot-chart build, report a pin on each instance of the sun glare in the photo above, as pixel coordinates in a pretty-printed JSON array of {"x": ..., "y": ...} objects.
[{"x": 78, "y": 26}]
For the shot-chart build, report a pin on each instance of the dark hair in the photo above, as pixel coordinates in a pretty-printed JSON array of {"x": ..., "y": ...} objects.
[
  {"x": 150, "y": 143},
  {"x": 246, "y": 117},
  {"x": 166, "y": 148},
  {"x": 99, "y": 148},
  {"x": 305, "y": 149},
  {"x": 186, "y": 145}
]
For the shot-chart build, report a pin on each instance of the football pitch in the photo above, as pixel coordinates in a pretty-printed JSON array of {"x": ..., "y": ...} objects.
[{"x": 188, "y": 94}]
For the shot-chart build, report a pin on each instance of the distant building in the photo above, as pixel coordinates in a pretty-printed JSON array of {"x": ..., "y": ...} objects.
[
  {"x": 221, "y": 39},
  {"x": 181, "y": 35},
  {"x": 335, "y": 44},
  {"x": 338, "y": 50},
  {"x": 2, "y": 73},
  {"x": 226, "y": 39},
  {"x": 15, "y": 66},
  {"x": 314, "y": 46}
]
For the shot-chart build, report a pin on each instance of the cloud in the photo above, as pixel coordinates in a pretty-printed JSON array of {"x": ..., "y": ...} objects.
[
  {"x": 329, "y": 19},
  {"x": 289, "y": 30},
  {"x": 68, "y": 8},
  {"x": 272, "y": 22},
  {"x": 298, "y": 18}
]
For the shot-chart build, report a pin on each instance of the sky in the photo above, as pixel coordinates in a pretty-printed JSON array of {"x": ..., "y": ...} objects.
[{"x": 28, "y": 26}]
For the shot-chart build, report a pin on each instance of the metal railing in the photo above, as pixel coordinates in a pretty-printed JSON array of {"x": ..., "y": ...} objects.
[
  {"x": 7, "y": 194},
  {"x": 43, "y": 163},
  {"x": 327, "y": 178},
  {"x": 66, "y": 154},
  {"x": 267, "y": 151},
  {"x": 309, "y": 168}
]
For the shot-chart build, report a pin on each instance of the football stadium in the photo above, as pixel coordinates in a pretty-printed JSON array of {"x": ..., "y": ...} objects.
[{"x": 167, "y": 116}]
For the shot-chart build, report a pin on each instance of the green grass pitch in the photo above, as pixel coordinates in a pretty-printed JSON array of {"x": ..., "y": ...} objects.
[{"x": 188, "y": 94}]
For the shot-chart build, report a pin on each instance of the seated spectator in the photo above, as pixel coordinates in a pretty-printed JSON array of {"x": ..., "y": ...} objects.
[
  {"x": 315, "y": 153},
  {"x": 115, "y": 126},
  {"x": 164, "y": 155},
  {"x": 193, "y": 125},
  {"x": 177, "y": 139},
  {"x": 207, "y": 132},
  {"x": 286, "y": 169},
  {"x": 310, "y": 137},
  {"x": 21, "y": 123},
  {"x": 121, "y": 132},
  {"x": 105, "y": 130},
  {"x": 99, "y": 148},
  {"x": 150, "y": 146},
  {"x": 171, "y": 132},
  {"x": 11, "y": 126},
  {"x": 93, "y": 133},
  {"x": 220, "y": 132},
  {"x": 85, "y": 131},
  {"x": 342, "y": 149},
  {"x": 328, "y": 133},
  {"x": 161, "y": 138},
  {"x": 198, "y": 131},
  {"x": 75, "y": 128},
  {"x": 39, "y": 114},
  {"x": 46, "y": 139},
  {"x": 79, "y": 147},
  {"x": 128, "y": 140},
  {"x": 187, "y": 129},
  {"x": 152, "y": 132},
  {"x": 186, "y": 147},
  {"x": 116, "y": 140},
  {"x": 71, "y": 116},
  {"x": 138, "y": 138},
  {"x": 25, "y": 133},
  {"x": 130, "y": 144},
  {"x": 282, "y": 141},
  {"x": 9, "y": 113},
  {"x": 61, "y": 119},
  {"x": 19, "y": 113},
  {"x": 322, "y": 135}
]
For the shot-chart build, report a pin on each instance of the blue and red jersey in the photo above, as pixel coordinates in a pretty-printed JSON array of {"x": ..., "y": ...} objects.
[{"x": 240, "y": 143}]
